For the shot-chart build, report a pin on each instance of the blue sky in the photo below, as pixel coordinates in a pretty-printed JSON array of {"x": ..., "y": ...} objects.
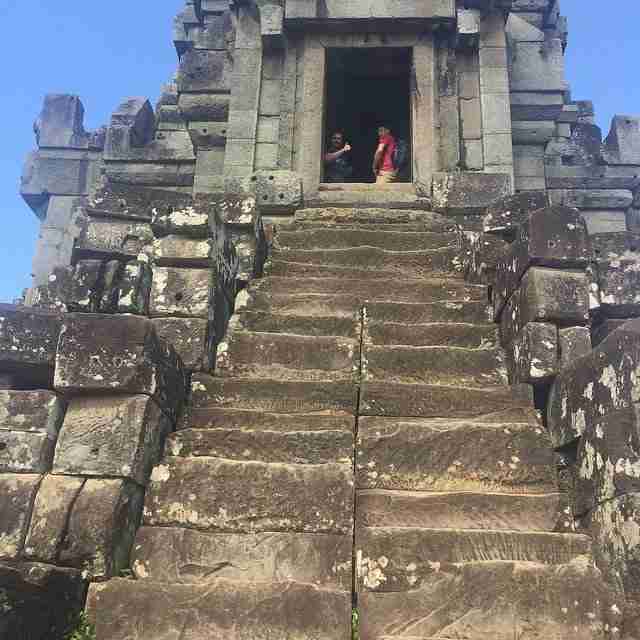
[{"x": 106, "y": 51}]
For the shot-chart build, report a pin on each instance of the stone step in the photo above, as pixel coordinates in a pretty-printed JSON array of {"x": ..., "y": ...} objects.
[
  {"x": 463, "y": 510},
  {"x": 435, "y": 365},
  {"x": 287, "y": 357},
  {"x": 184, "y": 556},
  {"x": 411, "y": 313},
  {"x": 283, "y": 268},
  {"x": 265, "y": 322},
  {"x": 415, "y": 291},
  {"x": 295, "y": 447},
  {"x": 373, "y": 216},
  {"x": 275, "y": 396},
  {"x": 215, "y": 417},
  {"x": 220, "y": 608},
  {"x": 354, "y": 225},
  {"x": 454, "y": 455},
  {"x": 440, "y": 401},
  {"x": 229, "y": 496},
  {"x": 472, "y": 336},
  {"x": 420, "y": 549},
  {"x": 495, "y": 601},
  {"x": 311, "y": 239},
  {"x": 365, "y": 197},
  {"x": 308, "y": 305},
  {"x": 414, "y": 264}
]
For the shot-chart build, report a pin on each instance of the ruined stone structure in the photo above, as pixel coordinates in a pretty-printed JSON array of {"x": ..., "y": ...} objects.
[{"x": 239, "y": 402}]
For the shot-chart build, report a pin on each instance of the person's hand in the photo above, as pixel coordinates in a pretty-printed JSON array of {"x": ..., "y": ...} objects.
[{"x": 347, "y": 147}]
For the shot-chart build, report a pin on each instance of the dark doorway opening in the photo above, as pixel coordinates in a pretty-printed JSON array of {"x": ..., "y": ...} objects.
[{"x": 368, "y": 87}]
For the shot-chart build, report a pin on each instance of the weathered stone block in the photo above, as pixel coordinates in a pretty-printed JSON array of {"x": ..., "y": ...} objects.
[
  {"x": 614, "y": 526},
  {"x": 25, "y": 452},
  {"x": 180, "y": 292},
  {"x": 605, "y": 221},
  {"x": 176, "y": 251},
  {"x": 152, "y": 174},
  {"x": 204, "y": 107},
  {"x": 551, "y": 237},
  {"x": 60, "y": 123},
  {"x": 623, "y": 141},
  {"x": 573, "y": 343},
  {"x": 78, "y": 288},
  {"x": 617, "y": 258},
  {"x": 274, "y": 191},
  {"x": 185, "y": 221},
  {"x": 39, "y": 600},
  {"x": 482, "y": 258},
  {"x": 51, "y": 510},
  {"x": 119, "y": 437},
  {"x": 101, "y": 528},
  {"x": 214, "y": 494},
  {"x": 118, "y": 354},
  {"x": 546, "y": 295},
  {"x": 101, "y": 237},
  {"x": 595, "y": 385},
  {"x": 17, "y": 493},
  {"x": 188, "y": 337},
  {"x": 238, "y": 610},
  {"x": 503, "y": 215},
  {"x": 468, "y": 192},
  {"x": 28, "y": 340},
  {"x": 133, "y": 288},
  {"x": 31, "y": 411},
  {"x": 136, "y": 203},
  {"x": 204, "y": 71},
  {"x": 593, "y": 198},
  {"x": 184, "y": 556},
  {"x": 534, "y": 353}
]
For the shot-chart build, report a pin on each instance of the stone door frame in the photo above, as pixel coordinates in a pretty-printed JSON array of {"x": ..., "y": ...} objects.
[{"x": 423, "y": 108}]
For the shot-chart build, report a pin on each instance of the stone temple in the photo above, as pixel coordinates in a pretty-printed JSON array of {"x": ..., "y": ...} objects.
[{"x": 240, "y": 402}]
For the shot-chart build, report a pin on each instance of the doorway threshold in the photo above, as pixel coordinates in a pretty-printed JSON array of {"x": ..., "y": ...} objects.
[
  {"x": 397, "y": 187},
  {"x": 360, "y": 196}
]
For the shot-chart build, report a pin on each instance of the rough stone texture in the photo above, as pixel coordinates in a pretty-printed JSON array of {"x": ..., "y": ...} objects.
[
  {"x": 28, "y": 340},
  {"x": 101, "y": 527},
  {"x": 184, "y": 556},
  {"x": 603, "y": 381},
  {"x": 118, "y": 437},
  {"x": 180, "y": 292},
  {"x": 274, "y": 191},
  {"x": 573, "y": 343},
  {"x": 238, "y": 611},
  {"x": 188, "y": 337},
  {"x": 24, "y": 452},
  {"x": 482, "y": 258},
  {"x": 32, "y": 411},
  {"x": 51, "y": 511},
  {"x": 441, "y": 455},
  {"x": 551, "y": 237},
  {"x": 546, "y": 295},
  {"x": 187, "y": 221},
  {"x": 38, "y": 600},
  {"x": 468, "y": 192},
  {"x": 506, "y": 214},
  {"x": 118, "y": 354},
  {"x": 534, "y": 353},
  {"x": 17, "y": 493},
  {"x": 214, "y": 494}
]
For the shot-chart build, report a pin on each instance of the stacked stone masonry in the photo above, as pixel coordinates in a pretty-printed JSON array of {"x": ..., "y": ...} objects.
[{"x": 239, "y": 402}]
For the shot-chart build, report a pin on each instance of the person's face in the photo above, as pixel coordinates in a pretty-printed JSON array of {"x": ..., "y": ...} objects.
[
  {"x": 382, "y": 131},
  {"x": 337, "y": 140}
]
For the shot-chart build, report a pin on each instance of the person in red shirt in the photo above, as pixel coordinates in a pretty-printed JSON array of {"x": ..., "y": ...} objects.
[{"x": 383, "y": 167}]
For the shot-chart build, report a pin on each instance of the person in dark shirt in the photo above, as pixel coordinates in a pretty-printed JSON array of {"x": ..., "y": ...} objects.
[
  {"x": 337, "y": 160},
  {"x": 383, "y": 167}
]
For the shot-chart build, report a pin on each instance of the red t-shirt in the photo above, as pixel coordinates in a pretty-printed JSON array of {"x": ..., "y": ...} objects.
[{"x": 389, "y": 143}]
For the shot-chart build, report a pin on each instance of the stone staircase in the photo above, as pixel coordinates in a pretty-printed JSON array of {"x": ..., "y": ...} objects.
[{"x": 359, "y": 446}]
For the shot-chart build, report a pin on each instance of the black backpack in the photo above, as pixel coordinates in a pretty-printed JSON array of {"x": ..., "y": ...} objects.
[{"x": 401, "y": 154}]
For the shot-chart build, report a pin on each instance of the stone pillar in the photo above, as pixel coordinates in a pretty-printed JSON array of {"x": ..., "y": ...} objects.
[
  {"x": 245, "y": 94},
  {"x": 495, "y": 96}
]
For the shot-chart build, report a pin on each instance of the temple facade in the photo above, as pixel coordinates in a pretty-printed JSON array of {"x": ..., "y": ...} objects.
[{"x": 241, "y": 400}]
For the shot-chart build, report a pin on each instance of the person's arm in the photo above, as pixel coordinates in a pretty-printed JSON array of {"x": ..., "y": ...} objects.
[
  {"x": 377, "y": 158},
  {"x": 330, "y": 157}
]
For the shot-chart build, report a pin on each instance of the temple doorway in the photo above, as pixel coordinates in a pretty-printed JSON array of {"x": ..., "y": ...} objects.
[{"x": 365, "y": 88}]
